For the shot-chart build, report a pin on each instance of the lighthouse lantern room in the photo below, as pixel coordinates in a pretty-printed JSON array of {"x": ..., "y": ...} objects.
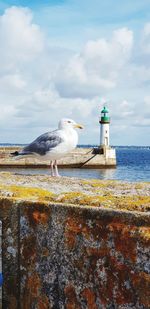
[{"x": 104, "y": 127}]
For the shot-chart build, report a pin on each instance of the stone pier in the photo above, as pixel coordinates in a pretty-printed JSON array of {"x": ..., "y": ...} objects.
[{"x": 79, "y": 158}]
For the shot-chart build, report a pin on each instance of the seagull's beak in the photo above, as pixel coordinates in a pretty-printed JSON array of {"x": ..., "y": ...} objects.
[{"x": 79, "y": 126}]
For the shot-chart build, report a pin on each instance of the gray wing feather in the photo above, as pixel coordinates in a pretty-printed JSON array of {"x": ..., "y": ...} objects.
[{"x": 43, "y": 144}]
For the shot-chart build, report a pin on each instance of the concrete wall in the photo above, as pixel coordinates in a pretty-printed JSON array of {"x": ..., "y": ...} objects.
[{"x": 61, "y": 256}]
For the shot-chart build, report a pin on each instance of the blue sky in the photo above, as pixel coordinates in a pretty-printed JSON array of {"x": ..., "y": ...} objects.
[{"x": 67, "y": 58}]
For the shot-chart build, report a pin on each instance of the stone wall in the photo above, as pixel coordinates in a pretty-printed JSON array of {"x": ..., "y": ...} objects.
[{"x": 73, "y": 257}]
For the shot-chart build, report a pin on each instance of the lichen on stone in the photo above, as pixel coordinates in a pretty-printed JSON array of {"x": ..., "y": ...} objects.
[{"x": 92, "y": 193}]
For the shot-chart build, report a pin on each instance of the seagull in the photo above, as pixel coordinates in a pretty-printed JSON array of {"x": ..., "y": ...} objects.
[{"x": 53, "y": 145}]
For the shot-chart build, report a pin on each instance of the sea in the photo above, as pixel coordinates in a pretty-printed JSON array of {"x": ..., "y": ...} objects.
[{"x": 133, "y": 165}]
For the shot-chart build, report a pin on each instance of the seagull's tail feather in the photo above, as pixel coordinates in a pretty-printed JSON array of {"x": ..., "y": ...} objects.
[
  {"x": 15, "y": 153},
  {"x": 20, "y": 154}
]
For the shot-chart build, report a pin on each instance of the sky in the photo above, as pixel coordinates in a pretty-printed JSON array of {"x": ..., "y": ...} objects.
[{"x": 68, "y": 58}]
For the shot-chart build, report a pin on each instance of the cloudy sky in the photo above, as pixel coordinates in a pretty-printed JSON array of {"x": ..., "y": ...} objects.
[{"x": 66, "y": 58}]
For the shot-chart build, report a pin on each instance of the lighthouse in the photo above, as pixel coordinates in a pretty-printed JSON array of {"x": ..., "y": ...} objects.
[
  {"x": 104, "y": 127},
  {"x": 107, "y": 153}
]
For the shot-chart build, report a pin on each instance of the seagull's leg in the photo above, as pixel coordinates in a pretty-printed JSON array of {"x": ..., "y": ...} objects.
[
  {"x": 56, "y": 169},
  {"x": 52, "y": 169}
]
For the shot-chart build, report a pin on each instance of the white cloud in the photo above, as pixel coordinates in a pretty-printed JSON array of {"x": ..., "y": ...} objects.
[
  {"x": 40, "y": 83},
  {"x": 22, "y": 43},
  {"x": 21, "y": 40},
  {"x": 97, "y": 67}
]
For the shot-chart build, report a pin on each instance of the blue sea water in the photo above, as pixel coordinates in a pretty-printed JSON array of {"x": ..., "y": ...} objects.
[{"x": 133, "y": 164}]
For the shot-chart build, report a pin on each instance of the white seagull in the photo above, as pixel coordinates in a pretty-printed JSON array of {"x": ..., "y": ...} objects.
[{"x": 53, "y": 145}]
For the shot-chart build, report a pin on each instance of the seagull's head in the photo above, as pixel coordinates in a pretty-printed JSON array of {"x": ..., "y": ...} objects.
[{"x": 69, "y": 123}]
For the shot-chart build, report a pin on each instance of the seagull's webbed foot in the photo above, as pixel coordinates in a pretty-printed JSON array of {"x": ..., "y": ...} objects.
[{"x": 56, "y": 169}]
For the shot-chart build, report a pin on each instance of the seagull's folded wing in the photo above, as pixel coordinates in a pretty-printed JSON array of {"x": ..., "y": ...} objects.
[{"x": 43, "y": 144}]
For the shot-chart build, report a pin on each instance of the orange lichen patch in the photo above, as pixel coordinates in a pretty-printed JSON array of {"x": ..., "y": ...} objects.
[
  {"x": 100, "y": 229},
  {"x": 89, "y": 295},
  {"x": 43, "y": 302},
  {"x": 71, "y": 298},
  {"x": 40, "y": 217},
  {"x": 115, "y": 283},
  {"x": 123, "y": 296},
  {"x": 72, "y": 227},
  {"x": 33, "y": 285},
  {"x": 94, "y": 254},
  {"x": 121, "y": 273},
  {"x": 77, "y": 225},
  {"x": 124, "y": 239},
  {"x": 141, "y": 284},
  {"x": 73, "y": 224},
  {"x": 111, "y": 275}
]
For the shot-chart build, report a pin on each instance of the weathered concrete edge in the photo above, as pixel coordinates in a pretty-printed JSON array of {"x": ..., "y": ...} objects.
[{"x": 138, "y": 218}]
